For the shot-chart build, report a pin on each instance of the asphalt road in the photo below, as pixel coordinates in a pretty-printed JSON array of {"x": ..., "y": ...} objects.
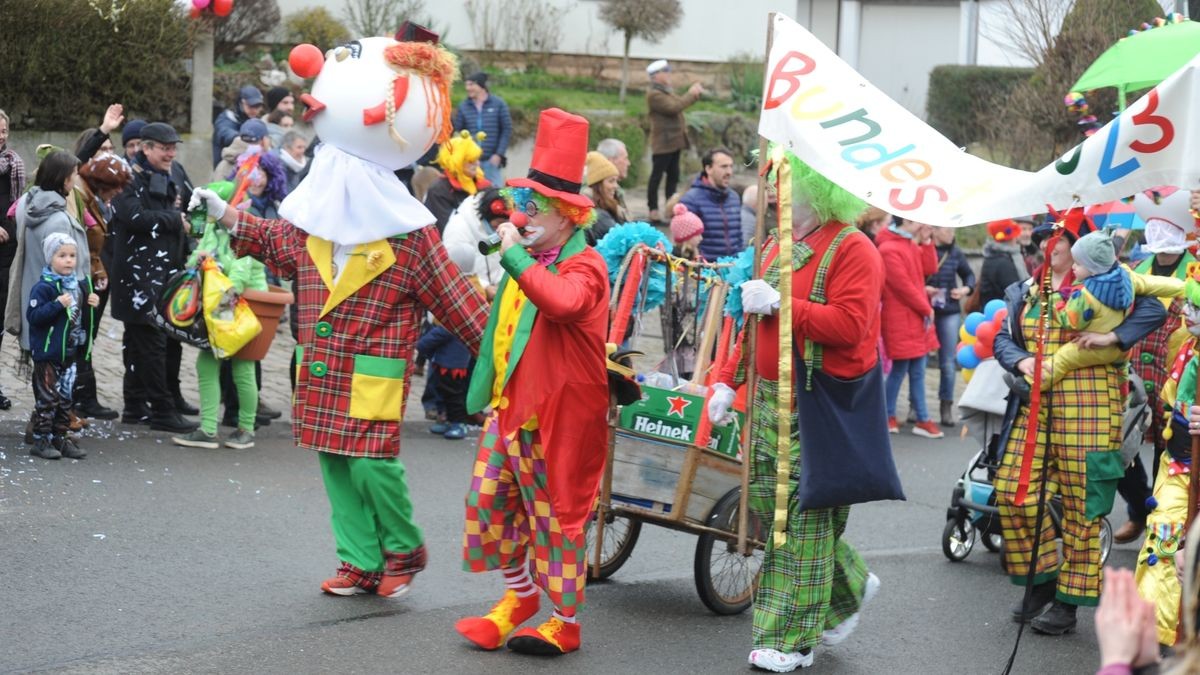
[{"x": 150, "y": 558}]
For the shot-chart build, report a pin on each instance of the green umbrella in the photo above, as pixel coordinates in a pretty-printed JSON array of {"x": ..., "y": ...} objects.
[{"x": 1143, "y": 60}]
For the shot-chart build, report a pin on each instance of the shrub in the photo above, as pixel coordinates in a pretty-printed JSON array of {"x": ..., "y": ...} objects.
[
  {"x": 316, "y": 26},
  {"x": 964, "y": 99},
  {"x": 72, "y": 61},
  {"x": 746, "y": 73}
]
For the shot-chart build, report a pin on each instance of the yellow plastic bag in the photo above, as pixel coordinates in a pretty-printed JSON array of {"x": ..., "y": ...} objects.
[{"x": 230, "y": 322}]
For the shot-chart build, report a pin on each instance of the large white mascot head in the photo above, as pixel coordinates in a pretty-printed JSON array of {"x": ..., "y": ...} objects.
[
  {"x": 377, "y": 104},
  {"x": 1170, "y": 227}
]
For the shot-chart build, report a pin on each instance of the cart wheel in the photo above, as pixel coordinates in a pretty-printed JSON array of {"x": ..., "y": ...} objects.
[
  {"x": 620, "y": 534},
  {"x": 993, "y": 542},
  {"x": 725, "y": 579},
  {"x": 958, "y": 540},
  {"x": 1106, "y": 540}
]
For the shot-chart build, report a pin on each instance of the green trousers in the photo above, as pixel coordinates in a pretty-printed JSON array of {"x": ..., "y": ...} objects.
[
  {"x": 370, "y": 508},
  {"x": 816, "y": 580},
  {"x": 208, "y": 375}
]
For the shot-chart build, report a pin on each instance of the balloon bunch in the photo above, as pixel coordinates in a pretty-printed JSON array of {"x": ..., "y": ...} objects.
[
  {"x": 977, "y": 336},
  {"x": 1078, "y": 105},
  {"x": 219, "y": 7}
]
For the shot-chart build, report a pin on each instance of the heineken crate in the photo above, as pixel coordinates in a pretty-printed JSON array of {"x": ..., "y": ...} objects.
[
  {"x": 674, "y": 416},
  {"x": 658, "y": 469}
]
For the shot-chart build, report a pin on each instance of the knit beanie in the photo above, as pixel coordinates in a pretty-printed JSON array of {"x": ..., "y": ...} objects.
[
  {"x": 55, "y": 241},
  {"x": 275, "y": 95},
  {"x": 479, "y": 78},
  {"x": 685, "y": 225},
  {"x": 598, "y": 168},
  {"x": 1095, "y": 252},
  {"x": 132, "y": 131},
  {"x": 1004, "y": 231}
]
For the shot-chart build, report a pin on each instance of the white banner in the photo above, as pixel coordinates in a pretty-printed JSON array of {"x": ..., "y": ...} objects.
[{"x": 827, "y": 114}]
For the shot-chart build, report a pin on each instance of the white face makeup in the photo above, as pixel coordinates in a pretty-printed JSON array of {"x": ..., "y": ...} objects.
[
  {"x": 1191, "y": 318},
  {"x": 532, "y": 234}
]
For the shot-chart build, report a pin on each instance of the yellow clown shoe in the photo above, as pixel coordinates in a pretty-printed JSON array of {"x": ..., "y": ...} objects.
[
  {"x": 490, "y": 631},
  {"x": 552, "y": 638}
]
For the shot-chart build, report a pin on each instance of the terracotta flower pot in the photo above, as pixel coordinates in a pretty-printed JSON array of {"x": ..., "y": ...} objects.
[{"x": 268, "y": 306}]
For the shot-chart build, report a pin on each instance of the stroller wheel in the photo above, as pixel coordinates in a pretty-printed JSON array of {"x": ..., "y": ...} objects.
[
  {"x": 1106, "y": 540},
  {"x": 993, "y": 542},
  {"x": 958, "y": 539}
]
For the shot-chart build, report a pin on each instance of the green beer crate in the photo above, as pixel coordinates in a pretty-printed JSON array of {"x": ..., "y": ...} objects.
[{"x": 674, "y": 416}]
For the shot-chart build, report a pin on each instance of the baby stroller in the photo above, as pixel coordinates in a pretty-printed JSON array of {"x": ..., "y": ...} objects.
[{"x": 973, "y": 512}]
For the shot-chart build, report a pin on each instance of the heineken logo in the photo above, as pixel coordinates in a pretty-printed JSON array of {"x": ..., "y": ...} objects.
[
  {"x": 678, "y": 405},
  {"x": 653, "y": 427}
]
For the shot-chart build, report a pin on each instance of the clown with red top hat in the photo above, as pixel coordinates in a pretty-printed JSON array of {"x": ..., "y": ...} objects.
[
  {"x": 542, "y": 372},
  {"x": 366, "y": 266}
]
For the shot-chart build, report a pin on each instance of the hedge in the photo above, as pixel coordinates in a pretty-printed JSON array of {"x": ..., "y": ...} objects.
[
  {"x": 64, "y": 62},
  {"x": 960, "y": 97}
]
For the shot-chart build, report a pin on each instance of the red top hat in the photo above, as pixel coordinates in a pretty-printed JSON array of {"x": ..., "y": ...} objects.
[{"x": 559, "y": 154}]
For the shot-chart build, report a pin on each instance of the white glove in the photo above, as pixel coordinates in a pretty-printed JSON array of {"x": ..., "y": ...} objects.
[
  {"x": 759, "y": 298},
  {"x": 215, "y": 205},
  {"x": 720, "y": 405}
]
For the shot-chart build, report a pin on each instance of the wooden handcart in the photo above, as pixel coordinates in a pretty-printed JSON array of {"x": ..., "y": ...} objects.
[{"x": 657, "y": 474}]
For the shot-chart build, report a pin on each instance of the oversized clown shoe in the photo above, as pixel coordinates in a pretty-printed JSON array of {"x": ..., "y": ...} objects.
[{"x": 365, "y": 266}]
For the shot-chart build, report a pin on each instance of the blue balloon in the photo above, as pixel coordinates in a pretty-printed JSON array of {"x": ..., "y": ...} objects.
[
  {"x": 990, "y": 309},
  {"x": 967, "y": 357},
  {"x": 973, "y": 321}
]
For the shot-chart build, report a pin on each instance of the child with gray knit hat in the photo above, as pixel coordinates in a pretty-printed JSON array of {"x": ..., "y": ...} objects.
[{"x": 1103, "y": 295}]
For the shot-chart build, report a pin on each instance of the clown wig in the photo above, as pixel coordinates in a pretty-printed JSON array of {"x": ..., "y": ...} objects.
[
  {"x": 520, "y": 197},
  {"x": 455, "y": 154},
  {"x": 828, "y": 200}
]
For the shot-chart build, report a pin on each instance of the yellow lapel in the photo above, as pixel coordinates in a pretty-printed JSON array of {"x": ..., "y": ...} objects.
[{"x": 364, "y": 264}]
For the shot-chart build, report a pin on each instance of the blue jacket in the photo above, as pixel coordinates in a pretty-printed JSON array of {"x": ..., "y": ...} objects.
[
  {"x": 440, "y": 346},
  {"x": 494, "y": 121},
  {"x": 953, "y": 264},
  {"x": 1009, "y": 347},
  {"x": 49, "y": 326},
  {"x": 721, "y": 213}
]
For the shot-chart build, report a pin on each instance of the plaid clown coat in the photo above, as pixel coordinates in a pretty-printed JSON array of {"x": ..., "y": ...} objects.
[{"x": 357, "y": 337}]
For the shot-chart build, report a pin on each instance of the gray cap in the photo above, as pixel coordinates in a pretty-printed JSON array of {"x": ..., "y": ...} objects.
[{"x": 160, "y": 132}]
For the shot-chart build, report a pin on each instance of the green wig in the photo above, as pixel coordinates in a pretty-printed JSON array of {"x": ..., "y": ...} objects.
[{"x": 828, "y": 200}]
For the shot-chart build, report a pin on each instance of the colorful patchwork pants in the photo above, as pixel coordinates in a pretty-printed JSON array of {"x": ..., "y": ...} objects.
[
  {"x": 509, "y": 513},
  {"x": 372, "y": 514},
  {"x": 1078, "y": 416},
  {"x": 816, "y": 580}
]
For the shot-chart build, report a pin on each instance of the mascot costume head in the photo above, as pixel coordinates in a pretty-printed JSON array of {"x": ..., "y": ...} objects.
[{"x": 377, "y": 104}]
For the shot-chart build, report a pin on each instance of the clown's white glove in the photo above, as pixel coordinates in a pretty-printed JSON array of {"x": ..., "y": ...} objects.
[
  {"x": 720, "y": 405},
  {"x": 215, "y": 205},
  {"x": 759, "y": 298}
]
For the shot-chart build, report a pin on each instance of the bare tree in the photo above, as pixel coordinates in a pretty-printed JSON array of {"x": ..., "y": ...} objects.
[
  {"x": 649, "y": 20},
  {"x": 250, "y": 20},
  {"x": 1028, "y": 27},
  {"x": 373, "y": 18},
  {"x": 1033, "y": 126}
]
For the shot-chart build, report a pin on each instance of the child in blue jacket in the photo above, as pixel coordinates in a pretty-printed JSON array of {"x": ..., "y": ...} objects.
[
  {"x": 450, "y": 357},
  {"x": 54, "y": 319}
]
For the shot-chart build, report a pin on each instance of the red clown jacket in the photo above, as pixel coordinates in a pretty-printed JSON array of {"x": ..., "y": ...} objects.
[
  {"x": 357, "y": 337},
  {"x": 557, "y": 370}
]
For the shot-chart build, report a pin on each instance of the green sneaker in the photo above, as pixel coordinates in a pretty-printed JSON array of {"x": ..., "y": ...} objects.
[
  {"x": 240, "y": 440},
  {"x": 197, "y": 439}
]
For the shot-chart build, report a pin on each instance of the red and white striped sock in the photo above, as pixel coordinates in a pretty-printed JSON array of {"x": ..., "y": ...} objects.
[
  {"x": 518, "y": 579},
  {"x": 558, "y": 614}
]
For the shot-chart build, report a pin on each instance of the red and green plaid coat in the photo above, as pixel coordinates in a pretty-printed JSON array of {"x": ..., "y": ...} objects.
[{"x": 357, "y": 338}]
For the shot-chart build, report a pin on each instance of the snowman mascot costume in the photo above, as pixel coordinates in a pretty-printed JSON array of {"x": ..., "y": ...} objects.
[{"x": 365, "y": 266}]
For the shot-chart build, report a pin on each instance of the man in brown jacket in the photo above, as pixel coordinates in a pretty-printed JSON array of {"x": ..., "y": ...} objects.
[{"x": 668, "y": 130}]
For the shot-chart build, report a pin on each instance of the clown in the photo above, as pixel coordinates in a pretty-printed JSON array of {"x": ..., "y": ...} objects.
[
  {"x": 1166, "y": 521},
  {"x": 461, "y": 176},
  {"x": 542, "y": 371},
  {"x": 366, "y": 266}
]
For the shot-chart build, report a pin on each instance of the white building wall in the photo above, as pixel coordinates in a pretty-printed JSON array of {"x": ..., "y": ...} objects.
[{"x": 900, "y": 44}]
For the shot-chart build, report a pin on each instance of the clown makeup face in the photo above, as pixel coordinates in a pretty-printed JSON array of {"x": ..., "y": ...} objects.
[
  {"x": 1191, "y": 318},
  {"x": 546, "y": 229}
]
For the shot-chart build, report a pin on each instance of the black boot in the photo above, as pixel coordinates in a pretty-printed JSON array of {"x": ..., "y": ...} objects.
[
  {"x": 1043, "y": 595},
  {"x": 1060, "y": 620},
  {"x": 183, "y": 407},
  {"x": 171, "y": 421},
  {"x": 948, "y": 413},
  {"x": 5, "y": 403},
  {"x": 95, "y": 410}
]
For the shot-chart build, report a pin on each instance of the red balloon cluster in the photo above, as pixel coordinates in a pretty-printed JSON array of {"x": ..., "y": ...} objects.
[{"x": 219, "y": 7}]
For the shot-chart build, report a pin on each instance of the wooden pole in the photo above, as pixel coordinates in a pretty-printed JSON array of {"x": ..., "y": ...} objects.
[{"x": 751, "y": 323}]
